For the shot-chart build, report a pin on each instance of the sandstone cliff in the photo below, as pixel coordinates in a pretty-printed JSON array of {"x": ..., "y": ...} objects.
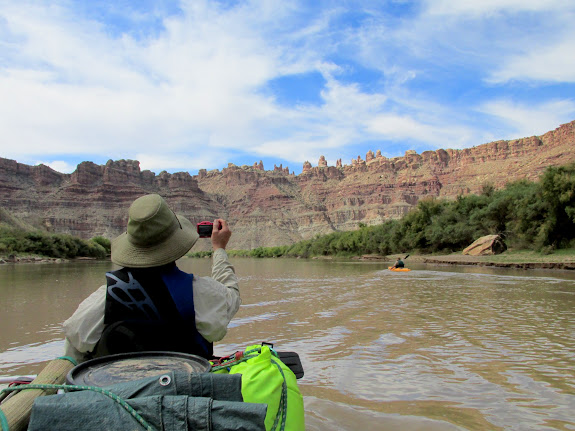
[{"x": 274, "y": 207}]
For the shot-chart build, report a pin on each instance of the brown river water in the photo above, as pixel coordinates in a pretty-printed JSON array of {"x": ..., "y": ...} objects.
[{"x": 437, "y": 348}]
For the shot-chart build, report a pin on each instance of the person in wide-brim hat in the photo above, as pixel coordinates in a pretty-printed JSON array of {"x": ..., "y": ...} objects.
[
  {"x": 149, "y": 304},
  {"x": 155, "y": 235}
]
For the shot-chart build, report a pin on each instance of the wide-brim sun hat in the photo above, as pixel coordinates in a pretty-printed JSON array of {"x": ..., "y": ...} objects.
[{"x": 155, "y": 236}]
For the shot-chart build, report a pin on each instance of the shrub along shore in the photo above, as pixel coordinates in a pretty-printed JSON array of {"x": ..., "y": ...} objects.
[{"x": 18, "y": 245}]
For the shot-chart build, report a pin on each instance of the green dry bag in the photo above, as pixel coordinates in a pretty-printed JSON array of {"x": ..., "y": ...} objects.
[{"x": 266, "y": 379}]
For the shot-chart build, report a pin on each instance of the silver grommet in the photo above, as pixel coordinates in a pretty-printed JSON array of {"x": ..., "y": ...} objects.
[{"x": 165, "y": 380}]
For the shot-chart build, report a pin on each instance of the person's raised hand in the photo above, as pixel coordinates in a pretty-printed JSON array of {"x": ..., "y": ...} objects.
[{"x": 221, "y": 234}]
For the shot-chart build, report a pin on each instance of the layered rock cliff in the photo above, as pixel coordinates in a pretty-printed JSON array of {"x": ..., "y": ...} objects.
[{"x": 267, "y": 208}]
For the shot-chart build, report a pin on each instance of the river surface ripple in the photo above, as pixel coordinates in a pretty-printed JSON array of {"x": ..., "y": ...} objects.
[{"x": 434, "y": 348}]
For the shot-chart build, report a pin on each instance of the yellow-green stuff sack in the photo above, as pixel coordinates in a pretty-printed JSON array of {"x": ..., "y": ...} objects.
[{"x": 266, "y": 379}]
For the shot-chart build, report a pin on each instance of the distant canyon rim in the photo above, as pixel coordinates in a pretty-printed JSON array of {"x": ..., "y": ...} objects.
[{"x": 273, "y": 207}]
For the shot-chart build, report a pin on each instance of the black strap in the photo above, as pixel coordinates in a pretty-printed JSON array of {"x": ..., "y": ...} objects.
[{"x": 293, "y": 362}]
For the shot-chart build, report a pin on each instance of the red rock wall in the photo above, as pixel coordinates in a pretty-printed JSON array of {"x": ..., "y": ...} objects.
[{"x": 275, "y": 207}]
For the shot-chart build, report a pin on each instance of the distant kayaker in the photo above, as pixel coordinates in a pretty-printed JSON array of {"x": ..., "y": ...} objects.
[
  {"x": 398, "y": 263},
  {"x": 150, "y": 304}
]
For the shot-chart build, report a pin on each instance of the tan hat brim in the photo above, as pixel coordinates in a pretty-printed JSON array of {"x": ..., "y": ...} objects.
[{"x": 126, "y": 254}]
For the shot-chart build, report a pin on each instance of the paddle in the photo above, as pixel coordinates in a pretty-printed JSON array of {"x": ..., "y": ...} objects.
[
  {"x": 10, "y": 379},
  {"x": 406, "y": 256}
]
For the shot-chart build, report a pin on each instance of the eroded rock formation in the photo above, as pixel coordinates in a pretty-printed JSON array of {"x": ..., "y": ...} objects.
[{"x": 267, "y": 208}]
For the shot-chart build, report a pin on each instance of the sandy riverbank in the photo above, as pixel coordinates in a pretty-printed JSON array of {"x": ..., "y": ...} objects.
[
  {"x": 563, "y": 259},
  {"x": 521, "y": 260}
]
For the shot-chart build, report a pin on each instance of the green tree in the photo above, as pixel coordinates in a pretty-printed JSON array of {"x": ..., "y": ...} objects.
[
  {"x": 104, "y": 242},
  {"x": 558, "y": 194}
]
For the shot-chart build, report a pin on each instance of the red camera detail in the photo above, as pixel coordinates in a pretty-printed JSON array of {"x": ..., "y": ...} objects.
[{"x": 205, "y": 229}]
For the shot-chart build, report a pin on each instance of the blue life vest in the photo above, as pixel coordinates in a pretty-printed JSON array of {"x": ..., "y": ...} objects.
[{"x": 151, "y": 309}]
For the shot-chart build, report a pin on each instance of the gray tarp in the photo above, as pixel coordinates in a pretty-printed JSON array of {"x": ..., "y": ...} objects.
[{"x": 189, "y": 402}]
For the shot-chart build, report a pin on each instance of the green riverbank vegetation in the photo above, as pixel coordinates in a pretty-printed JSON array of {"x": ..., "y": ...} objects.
[
  {"x": 537, "y": 216},
  {"x": 18, "y": 242}
]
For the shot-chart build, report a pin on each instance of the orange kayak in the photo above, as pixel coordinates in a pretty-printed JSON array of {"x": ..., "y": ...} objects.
[{"x": 391, "y": 268}]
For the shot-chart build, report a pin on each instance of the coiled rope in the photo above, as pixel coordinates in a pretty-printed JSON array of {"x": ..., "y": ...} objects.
[{"x": 282, "y": 410}]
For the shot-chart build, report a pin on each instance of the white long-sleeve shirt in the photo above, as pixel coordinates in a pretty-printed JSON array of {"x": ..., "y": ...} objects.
[{"x": 216, "y": 301}]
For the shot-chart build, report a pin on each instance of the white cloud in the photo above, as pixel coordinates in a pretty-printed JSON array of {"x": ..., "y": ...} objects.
[
  {"x": 189, "y": 95},
  {"x": 474, "y": 7},
  {"x": 96, "y": 94},
  {"x": 398, "y": 127},
  {"x": 530, "y": 120},
  {"x": 161, "y": 161},
  {"x": 60, "y": 166},
  {"x": 402, "y": 127},
  {"x": 551, "y": 63},
  {"x": 503, "y": 40},
  {"x": 52, "y": 39}
]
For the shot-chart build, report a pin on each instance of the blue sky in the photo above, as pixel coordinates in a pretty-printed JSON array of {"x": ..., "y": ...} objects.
[{"x": 185, "y": 85}]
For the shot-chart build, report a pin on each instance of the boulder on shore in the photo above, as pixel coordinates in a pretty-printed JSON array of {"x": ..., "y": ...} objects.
[{"x": 486, "y": 245}]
